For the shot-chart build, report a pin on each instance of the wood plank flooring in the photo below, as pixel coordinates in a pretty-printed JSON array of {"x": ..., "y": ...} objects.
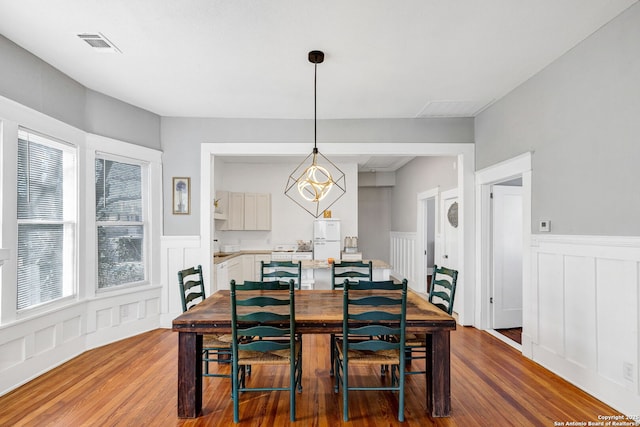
[
  {"x": 133, "y": 383},
  {"x": 514, "y": 334}
]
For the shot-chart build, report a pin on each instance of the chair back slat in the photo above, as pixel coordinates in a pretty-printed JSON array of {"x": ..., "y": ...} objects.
[{"x": 249, "y": 285}]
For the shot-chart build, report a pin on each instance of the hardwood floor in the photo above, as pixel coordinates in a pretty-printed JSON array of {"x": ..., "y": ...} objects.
[
  {"x": 514, "y": 334},
  {"x": 133, "y": 383}
]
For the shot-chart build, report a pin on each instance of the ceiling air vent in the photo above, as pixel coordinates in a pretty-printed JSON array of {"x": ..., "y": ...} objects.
[
  {"x": 452, "y": 108},
  {"x": 99, "y": 42}
]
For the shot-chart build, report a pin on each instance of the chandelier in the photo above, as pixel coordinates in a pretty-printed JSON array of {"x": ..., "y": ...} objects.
[{"x": 317, "y": 183}]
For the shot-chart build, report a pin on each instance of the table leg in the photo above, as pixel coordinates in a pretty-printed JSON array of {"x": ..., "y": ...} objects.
[
  {"x": 439, "y": 374},
  {"x": 189, "y": 374}
]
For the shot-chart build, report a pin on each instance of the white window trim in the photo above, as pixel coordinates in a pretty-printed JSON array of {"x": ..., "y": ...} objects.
[
  {"x": 56, "y": 143},
  {"x": 99, "y": 147},
  {"x": 145, "y": 182}
]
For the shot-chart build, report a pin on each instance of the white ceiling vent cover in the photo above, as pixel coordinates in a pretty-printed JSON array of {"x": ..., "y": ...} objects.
[
  {"x": 452, "y": 108},
  {"x": 99, "y": 42}
]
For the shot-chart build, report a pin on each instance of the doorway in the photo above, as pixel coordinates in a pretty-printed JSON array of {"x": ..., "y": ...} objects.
[
  {"x": 427, "y": 237},
  {"x": 503, "y": 192},
  {"x": 506, "y": 254}
]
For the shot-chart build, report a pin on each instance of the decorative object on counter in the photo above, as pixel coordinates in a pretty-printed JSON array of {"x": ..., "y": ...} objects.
[
  {"x": 326, "y": 214},
  {"x": 310, "y": 186},
  {"x": 305, "y": 246},
  {"x": 350, "y": 244},
  {"x": 181, "y": 195}
]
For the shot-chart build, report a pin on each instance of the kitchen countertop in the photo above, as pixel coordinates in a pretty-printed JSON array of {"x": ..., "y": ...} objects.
[
  {"x": 317, "y": 264},
  {"x": 219, "y": 257}
]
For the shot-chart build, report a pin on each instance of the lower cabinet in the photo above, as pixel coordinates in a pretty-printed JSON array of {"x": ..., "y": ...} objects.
[
  {"x": 221, "y": 276},
  {"x": 234, "y": 270},
  {"x": 240, "y": 268}
]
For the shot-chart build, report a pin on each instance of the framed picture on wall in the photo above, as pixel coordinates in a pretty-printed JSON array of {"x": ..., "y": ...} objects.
[{"x": 181, "y": 195}]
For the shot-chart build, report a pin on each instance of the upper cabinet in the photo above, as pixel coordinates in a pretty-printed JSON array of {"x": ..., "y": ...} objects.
[
  {"x": 221, "y": 205},
  {"x": 257, "y": 211},
  {"x": 243, "y": 211}
]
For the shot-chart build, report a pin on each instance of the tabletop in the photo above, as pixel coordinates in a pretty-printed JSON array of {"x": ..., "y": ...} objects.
[{"x": 317, "y": 311}]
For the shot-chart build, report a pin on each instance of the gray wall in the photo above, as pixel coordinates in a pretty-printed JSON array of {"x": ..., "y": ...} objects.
[
  {"x": 581, "y": 118},
  {"x": 33, "y": 83},
  {"x": 419, "y": 175},
  {"x": 374, "y": 221},
  {"x": 181, "y": 139}
]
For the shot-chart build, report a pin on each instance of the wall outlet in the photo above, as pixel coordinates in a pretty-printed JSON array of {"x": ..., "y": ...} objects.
[
  {"x": 545, "y": 225},
  {"x": 627, "y": 371}
]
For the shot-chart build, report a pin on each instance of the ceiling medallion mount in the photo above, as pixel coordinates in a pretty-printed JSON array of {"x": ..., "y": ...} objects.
[
  {"x": 316, "y": 57},
  {"x": 310, "y": 185}
]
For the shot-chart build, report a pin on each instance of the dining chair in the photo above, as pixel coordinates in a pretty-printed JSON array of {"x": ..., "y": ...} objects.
[
  {"x": 353, "y": 271},
  {"x": 215, "y": 347},
  {"x": 278, "y": 270},
  {"x": 441, "y": 294},
  {"x": 269, "y": 319},
  {"x": 384, "y": 316},
  {"x": 350, "y": 270}
]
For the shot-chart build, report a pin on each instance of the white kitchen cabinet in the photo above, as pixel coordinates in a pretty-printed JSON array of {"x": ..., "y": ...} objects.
[
  {"x": 257, "y": 211},
  {"x": 221, "y": 205},
  {"x": 221, "y": 276},
  {"x": 235, "y": 216},
  {"x": 234, "y": 270},
  {"x": 243, "y": 211},
  {"x": 248, "y": 267}
]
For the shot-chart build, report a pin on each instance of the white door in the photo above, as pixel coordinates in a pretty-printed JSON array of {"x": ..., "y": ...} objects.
[
  {"x": 507, "y": 256},
  {"x": 449, "y": 223}
]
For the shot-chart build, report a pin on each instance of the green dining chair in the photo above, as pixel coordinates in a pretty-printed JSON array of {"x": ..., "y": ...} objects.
[
  {"x": 215, "y": 347},
  {"x": 441, "y": 294},
  {"x": 281, "y": 270},
  {"x": 269, "y": 319},
  {"x": 360, "y": 345},
  {"x": 353, "y": 271}
]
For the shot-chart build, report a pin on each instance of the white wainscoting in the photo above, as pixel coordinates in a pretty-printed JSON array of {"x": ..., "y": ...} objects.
[
  {"x": 403, "y": 257},
  {"x": 178, "y": 253},
  {"x": 582, "y": 317},
  {"x": 30, "y": 347}
]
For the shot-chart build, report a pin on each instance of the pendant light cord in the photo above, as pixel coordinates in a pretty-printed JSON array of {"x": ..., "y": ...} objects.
[{"x": 315, "y": 107}]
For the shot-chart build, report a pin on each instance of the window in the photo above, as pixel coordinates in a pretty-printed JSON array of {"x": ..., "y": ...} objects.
[
  {"x": 46, "y": 219},
  {"x": 120, "y": 222}
]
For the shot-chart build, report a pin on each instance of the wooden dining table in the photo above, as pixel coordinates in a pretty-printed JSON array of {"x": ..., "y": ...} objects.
[{"x": 317, "y": 312}]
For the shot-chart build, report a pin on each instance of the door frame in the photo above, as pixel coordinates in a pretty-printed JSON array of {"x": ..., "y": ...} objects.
[
  {"x": 485, "y": 178},
  {"x": 421, "y": 228}
]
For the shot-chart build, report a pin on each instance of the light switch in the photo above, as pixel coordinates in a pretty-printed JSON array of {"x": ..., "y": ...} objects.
[{"x": 545, "y": 225}]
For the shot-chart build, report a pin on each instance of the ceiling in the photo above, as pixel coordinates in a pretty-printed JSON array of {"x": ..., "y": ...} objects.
[{"x": 248, "y": 59}]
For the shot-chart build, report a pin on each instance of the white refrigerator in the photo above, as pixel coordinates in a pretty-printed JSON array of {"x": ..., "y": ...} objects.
[{"x": 326, "y": 239}]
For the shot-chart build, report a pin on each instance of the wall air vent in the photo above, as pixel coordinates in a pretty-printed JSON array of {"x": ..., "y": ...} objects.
[{"x": 99, "y": 42}]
